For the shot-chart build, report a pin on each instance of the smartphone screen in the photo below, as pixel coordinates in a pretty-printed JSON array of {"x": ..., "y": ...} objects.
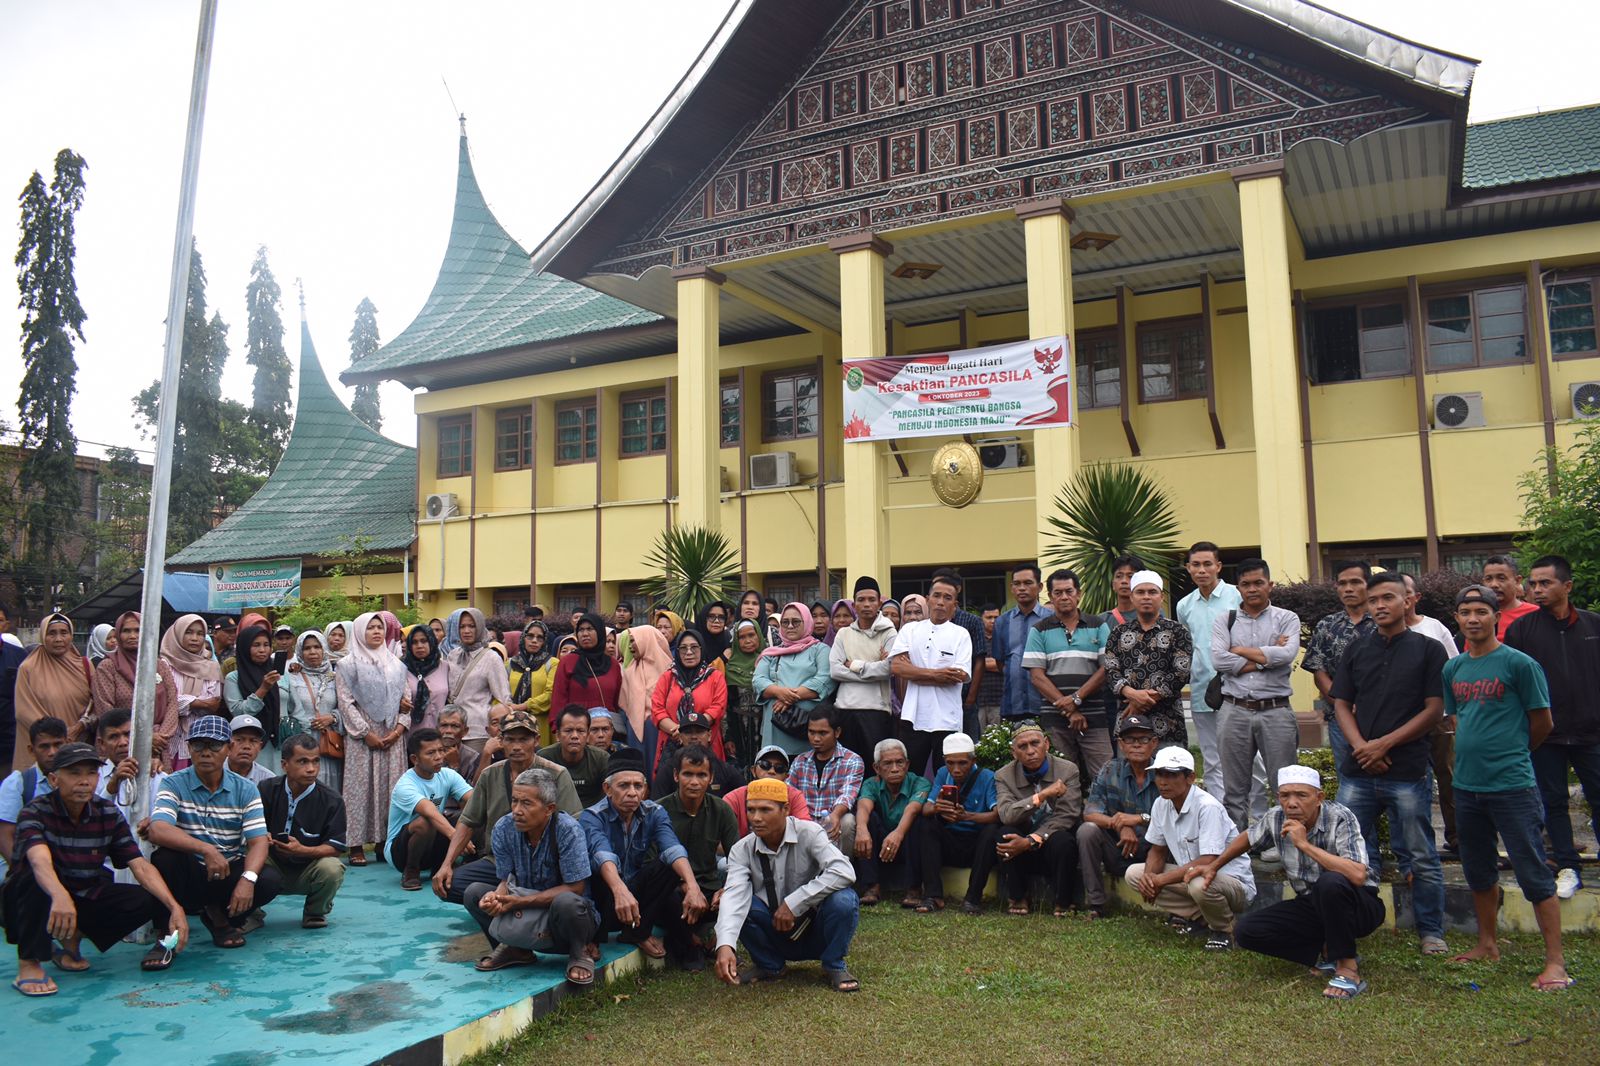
[{"x": 280, "y": 661}]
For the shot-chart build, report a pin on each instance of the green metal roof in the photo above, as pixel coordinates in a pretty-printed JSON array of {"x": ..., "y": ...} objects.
[
  {"x": 1543, "y": 147},
  {"x": 488, "y": 297},
  {"x": 337, "y": 478}
]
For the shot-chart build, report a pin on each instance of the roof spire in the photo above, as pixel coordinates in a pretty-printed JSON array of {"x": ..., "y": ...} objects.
[
  {"x": 300, "y": 284},
  {"x": 462, "y": 118}
]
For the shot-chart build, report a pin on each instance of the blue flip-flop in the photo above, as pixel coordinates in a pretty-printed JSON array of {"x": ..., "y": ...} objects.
[
  {"x": 40, "y": 981},
  {"x": 1341, "y": 987},
  {"x": 1329, "y": 967}
]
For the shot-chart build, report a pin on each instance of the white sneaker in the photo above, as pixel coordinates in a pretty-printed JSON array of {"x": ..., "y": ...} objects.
[
  {"x": 1567, "y": 883},
  {"x": 1271, "y": 856}
]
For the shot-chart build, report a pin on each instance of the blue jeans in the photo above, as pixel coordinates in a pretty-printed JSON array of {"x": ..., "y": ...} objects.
[
  {"x": 1518, "y": 816},
  {"x": 1337, "y": 743},
  {"x": 833, "y": 926},
  {"x": 1550, "y": 772},
  {"x": 1409, "y": 805}
]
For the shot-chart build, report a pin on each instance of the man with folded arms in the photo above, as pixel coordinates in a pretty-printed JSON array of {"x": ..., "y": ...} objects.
[
  {"x": 1188, "y": 830},
  {"x": 1335, "y": 899},
  {"x": 1116, "y": 812},
  {"x": 61, "y": 888},
  {"x": 1039, "y": 798},
  {"x": 788, "y": 896}
]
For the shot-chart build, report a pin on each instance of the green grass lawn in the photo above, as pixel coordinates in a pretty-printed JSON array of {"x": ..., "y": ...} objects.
[{"x": 944, "y": 988}]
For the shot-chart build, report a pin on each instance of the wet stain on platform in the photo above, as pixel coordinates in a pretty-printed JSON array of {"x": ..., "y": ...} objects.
[
  {"x": 356, "y": 1010},
  {"x": 468, "y": 948}
]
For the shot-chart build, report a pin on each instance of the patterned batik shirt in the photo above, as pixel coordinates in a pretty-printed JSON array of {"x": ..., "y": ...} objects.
[
  {"x": 1334, "y": 633},
  {"x": 1159, "y": 658}
]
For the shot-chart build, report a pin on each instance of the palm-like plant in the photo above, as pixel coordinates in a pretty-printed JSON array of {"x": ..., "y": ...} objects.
[
  {"x": 692, "y": 566},
  {"x": 1107, "y": 510}
]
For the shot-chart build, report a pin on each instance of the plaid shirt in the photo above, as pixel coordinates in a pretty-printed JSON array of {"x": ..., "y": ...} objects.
[
  {"x": 78, "y": 849},
  {"x": 826, "y": 787},
  {"x": 1113, "y": 791},
  {"x": 1334, "y": 633},
  {"x": 1337, "y": 832}
]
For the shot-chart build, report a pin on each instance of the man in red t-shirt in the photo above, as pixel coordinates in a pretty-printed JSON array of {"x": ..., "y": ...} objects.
[{"x": 1500, "y": 574}]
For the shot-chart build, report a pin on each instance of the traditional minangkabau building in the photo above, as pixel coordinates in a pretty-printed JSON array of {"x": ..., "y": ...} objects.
[{"x": 1328, "y": 315}]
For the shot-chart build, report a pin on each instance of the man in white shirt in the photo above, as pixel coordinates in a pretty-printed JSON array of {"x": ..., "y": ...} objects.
[
  {"x": 934, "y": 657},
  {"x": 1442, "y": 741},
  {"x": 1188, "y": 829},
  {"x": 1211, "y": 599},
  {"x": 859, "y": 662}
]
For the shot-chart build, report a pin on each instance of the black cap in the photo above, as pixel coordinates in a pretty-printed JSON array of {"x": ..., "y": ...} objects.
[
  {"x": 225, "y": 622},
  {"x": 71, "y": 754},
  {"x": 866, "y": 582},
  {"x": 1135, "y": 721},
  {"x": 695, "y": 720},
  {"x": 1479, "y": 594},
  {"x": 625, "y": 761}
]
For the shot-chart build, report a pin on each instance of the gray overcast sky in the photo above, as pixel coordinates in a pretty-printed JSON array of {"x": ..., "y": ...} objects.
[{"x": 330, "y": 139}]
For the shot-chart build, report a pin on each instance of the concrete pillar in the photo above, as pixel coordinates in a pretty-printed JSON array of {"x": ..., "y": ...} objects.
[
  {"x": 866, "y": 494},
  {"x": 1274, "y": 389},
  {"x": 1047, "y": 229},
  {"x": 696, "y": 430}
]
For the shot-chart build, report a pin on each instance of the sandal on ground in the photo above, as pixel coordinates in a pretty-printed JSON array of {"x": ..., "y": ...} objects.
[
  {"x": 1433, "y": 945},
  {"x": 911, "y": 900},
  {"x": 1019, "y": 908},
  {"x": 358, "y": 857},
  {"x": 1063, "y": 912},
  {"x": 59, "y": 955},
  {"x": 37, "y": 984},
  {"x": 970, "y": 908},
  {"x": 1341, "y": 987},
  {"x": 313, "y": 921},
  {"x": 580, "y": 972},
  {"x": 505, "y": 955},
  {"x": 1216, "y": 941},
  {"x": 656, "y": 950},
  {"x": 930, "y": 904},
  {"x": 411, "y": 882},
  {"x": 871, "y": 897},
  {"x": 843, "y": 981},
  {"x": 1327, "y": 967},
  {"x": 222, "y": 935},
  {"x": 1556, "y": 985},
  {"x": 1097, "y": 910},
  {"x": 755, "y": 975},
  {"x": 157, "y": 958}
]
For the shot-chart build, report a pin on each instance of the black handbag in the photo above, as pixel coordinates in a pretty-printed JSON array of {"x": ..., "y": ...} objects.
[
  {"x": 1213, "y": 695},
  {"x": 792, "y": 720}
]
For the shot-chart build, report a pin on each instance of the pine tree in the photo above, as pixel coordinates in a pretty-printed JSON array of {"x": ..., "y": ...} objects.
[
  {"x": 363, "y": 342},
  {"x": 269, "y": 406},
  {"x": 51, "y": 318}
]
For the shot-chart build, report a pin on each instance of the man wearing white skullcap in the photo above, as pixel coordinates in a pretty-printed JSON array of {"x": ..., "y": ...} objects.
[
  {"x": 1336, "y": 897},
  {"x": 1148, "y": 660},
  {"x": 959, "y": 826}
]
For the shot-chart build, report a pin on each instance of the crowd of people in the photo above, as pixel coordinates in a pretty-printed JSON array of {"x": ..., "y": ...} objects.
[{"x": 756, "y": 777}]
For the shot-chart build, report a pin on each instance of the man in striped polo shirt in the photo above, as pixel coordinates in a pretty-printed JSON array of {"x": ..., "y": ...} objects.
[
  {"x": 1065, "y": 656},
  {"x": 211, "y": 837}
]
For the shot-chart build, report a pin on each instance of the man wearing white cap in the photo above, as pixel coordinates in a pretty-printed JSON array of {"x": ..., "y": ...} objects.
[
  {"x": 1189, "y": 830},
  {"x": 249, "y": 737},
  {"x": 1148, "y": 660},
  {"x": 1335, "y": 900},
  {"x": 959, "y": 826}
]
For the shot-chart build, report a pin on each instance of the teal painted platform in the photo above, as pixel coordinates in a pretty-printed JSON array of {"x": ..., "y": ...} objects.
[{"x": 391, "y": 979}]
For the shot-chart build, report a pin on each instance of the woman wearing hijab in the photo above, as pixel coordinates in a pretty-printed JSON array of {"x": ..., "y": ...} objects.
[
  {"x": 371, "y": 682},
  {"x": 651, "y": 661},
  {"x": 53, "y": 682},
  {"x": 915, "y": 608},
  {"x": 842, "y": 617},
  {"x": 822, "y": 622},
  {"x": 713, "y": 623},
  {"x": 693, "y": 686},
  {"x": 532, "y": 673},
  {"x": 891, "y": 611},
  {"x": 102, "y": 642},
  {"x": 742, "y": 726},
  {"x": 253, "y": 688},
  {"x": 309, "y": 703},
  {"x": 477, "y": 675},
  {"x": 591, "y": 678},
  {"x": 337, "y": 640},
  {"x": 792, "y": 675},
  {"x": 750, "y": 606},
  {"x": 667, "y": 623},
  {"x": 427, "y": 679},
  {"x": 249, "y": 621},
  {"x": 199, "y": 678},
  {"x": 113, "y": 687},
  {"x": 452, "y": 631}
]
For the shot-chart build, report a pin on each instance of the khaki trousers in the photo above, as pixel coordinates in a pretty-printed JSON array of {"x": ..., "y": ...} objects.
[{"x": 1218, "y": 904}]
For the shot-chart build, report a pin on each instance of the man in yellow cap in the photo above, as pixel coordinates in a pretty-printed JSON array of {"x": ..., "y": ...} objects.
[{"x": 788, "y": 896}]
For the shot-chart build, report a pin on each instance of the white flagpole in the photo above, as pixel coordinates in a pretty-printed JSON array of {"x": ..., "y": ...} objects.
[{"x": 155, "y": 549}]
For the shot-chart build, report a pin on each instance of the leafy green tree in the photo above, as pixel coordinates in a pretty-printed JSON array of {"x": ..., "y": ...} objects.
[
  {"x": 363, "y": 342},
  {"x": 269, "y": 404},
  {"x": 1561, "y": 513},
  {"x": 52, "y": 316},
  {"x": 124, "y": 510},
  {"x": 354, "y": 558},
  {"x": 692, "y": 566},
  {"x": 1107, "y": 510}
]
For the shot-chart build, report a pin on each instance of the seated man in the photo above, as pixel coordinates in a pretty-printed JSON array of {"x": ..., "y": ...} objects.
[
  {"x": 694, "y": 730},
  {"x": 959, "y": 826},
  {"x": 493, "y": 750},
  {"x": 1335, "y": 899},
  {"x": 886, "y": 826},
  {"x": 604, "y": 729},
  {"x": 788, "y": 897},
  {"x": 1040, "y": 802},
  {"x": 118, "y": 771},
  {"x": 1117, "y": 811},
  {"x": 249, "y": 736},
  {"x": 419, "y": 831},
  {"x": 457, "y": 756},
  {"x": 62, "y": 889},
  {"x": 637, "y": 861},
  {"x": 489, "y": 802},
  {"x": 705, "y": 826},
  {"x": 586, "y": 764},
  {"x": 21, "y": 787},
  {"x": 1189, "y": 828},
  {"x": 305, "y": 823},
  {"x": 211, "y": 837},
  {"x": 771, "y": 762},
  {"x": 829, "y": 776},
  {"x": 539, "y": 903}
]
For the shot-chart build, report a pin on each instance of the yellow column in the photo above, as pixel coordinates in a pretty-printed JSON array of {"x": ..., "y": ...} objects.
[
  {"x": 699, "y": 476},
  {"x": 1047, "y": 229},
  {"x": 1274, "y": 390},
  {"x": 861, "y": 314}
]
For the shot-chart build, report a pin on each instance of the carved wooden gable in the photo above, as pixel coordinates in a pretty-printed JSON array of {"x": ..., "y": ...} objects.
[{"x": 916, "y": 110}]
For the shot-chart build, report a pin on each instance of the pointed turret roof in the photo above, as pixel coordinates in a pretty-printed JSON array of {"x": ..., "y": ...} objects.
[
  {"x": 337, "y": 478},
  {"x": 488, "y": 298}
]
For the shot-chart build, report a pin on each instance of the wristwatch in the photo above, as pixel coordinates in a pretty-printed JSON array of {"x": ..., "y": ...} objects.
[
  {"x": 1077, "y": 700},
  {"x": 1145, "y": 818},
  {"x": 249, "y": 875}
]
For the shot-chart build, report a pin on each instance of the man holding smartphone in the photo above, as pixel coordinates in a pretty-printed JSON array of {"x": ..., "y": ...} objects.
[{"x": 960, "y": 826}]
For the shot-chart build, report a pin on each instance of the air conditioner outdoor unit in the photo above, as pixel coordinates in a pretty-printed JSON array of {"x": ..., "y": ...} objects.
[
  {"x": 773, "y": 470},
  {"x": 1457, "y": 410},
  {"x": 442, "y": 505},
  {"x": 1004, "y": 453},
  {"x": 1586, "y": 399}
]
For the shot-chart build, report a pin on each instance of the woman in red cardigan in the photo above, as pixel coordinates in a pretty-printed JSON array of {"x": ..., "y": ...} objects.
[
  {"x": 591, "y": 678},
  {"x": 691, "y": 685}
]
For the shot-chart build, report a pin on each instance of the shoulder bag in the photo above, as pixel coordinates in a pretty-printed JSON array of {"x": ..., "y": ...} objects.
[
  {"x": 1213, "y": 695},
  {"x": 461, "y": 682},
  {"x": 329, "y": 743}
]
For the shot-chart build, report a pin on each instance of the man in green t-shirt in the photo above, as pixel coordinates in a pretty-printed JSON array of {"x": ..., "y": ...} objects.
[
  {"x": 1501, "y": 704},
  {"x": 585, "y": 763},
  {"x": 886, "y": 819}
]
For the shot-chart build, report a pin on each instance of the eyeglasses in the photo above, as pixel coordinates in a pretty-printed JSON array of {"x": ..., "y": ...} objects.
[
  {"x": 772, "y": 766},
  {"x": 794, "y": 621},
  {"x": 716, "y": 616},
  {"x": 206, "y": 747}
]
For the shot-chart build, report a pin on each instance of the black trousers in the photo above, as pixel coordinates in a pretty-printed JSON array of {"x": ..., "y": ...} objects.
[
  {"x": 864, "y": 729},
  {"x": 898, "y": 875},
  {"x": 419, "y": 851},
  {"x": 920, "y": 746},
  {"x": 116, "y": 911},
  {"x": 1331, "y": 916},
  {"x": 660, "y": 896},
  {"x": 476, "y": 872},
  {"x": 1057, "y": 861},
  {"x": 943, "y": 846},
  {"x": 185, "y": 875}
]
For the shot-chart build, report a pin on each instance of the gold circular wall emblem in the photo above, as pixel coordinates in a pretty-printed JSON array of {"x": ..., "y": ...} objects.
[{"x": 957, "y": 474}]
